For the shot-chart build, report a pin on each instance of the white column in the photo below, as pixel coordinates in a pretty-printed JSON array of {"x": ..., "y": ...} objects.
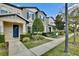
[
  {"x": 1, "y": 27},
  {"x": 44, "y": 28},
  {"x": 24, "y": 28}
]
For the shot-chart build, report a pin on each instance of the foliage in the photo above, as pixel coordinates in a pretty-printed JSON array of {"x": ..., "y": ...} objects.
[
  {"x": 25, "y": 35},
  {"x": 37, "y": 25},
  {"x": 50, "y": 34},
  {"x": 38, "y": 37},
  {"x": 3, "y": 49},
  {"x": 61, "y": 32},
  {"x": 44, "y": 34},
  {"x": 34, "y": 43},
  {"x": 35, "y": 33},
  {"x": 59, "y": 50},
  {"x": 75, "y": 50},
  {"x": 59, "y": 23},
  {"x": 25, "y": 39},
  {"x": 71, "y": 29},
  {"x": 2, "y": 39}
]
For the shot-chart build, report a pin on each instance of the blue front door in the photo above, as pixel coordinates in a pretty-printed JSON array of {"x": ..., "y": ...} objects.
[{"x": 15, "y": 31}]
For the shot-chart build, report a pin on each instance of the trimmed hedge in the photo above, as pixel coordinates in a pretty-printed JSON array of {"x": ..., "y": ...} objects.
[
  {"x": 39, "y": 33},
  {"x": 2, "y": 39},
  {"x": 25, "y": 35},
  {"x": 50, "y": 34}
]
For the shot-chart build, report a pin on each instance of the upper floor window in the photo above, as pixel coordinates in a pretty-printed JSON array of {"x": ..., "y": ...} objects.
[
  {"x": 33, "y": 16},
  {"x": 27, "y": 15},
  {"x": 41, "y": 17},
  {"x": 30, "y": 15},
  {"x": 3, "y": 10}
]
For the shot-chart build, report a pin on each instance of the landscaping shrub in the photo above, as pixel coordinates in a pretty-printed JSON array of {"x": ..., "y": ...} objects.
[
  {"x": 25, "y": 39},
  {"x": 37, "y": 33},
  {"x": 44, "y": 34},
  {"x": 61, "y": 33},
  {"x": 38, "y": 37},
  {"x": 24, "y": 35},
  {"x": 2, "y": 39},
  {"x": 50, "y": 34}
]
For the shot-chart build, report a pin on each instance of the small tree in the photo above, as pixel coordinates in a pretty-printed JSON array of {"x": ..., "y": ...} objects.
[
  {"x": 59, "y": 23},
  {"x": 37, "y": 26},
  {"x": 74, "y": 16}
]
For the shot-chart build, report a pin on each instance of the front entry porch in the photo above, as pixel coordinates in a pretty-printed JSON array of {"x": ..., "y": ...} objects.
[{"x": 12, "y": 31}]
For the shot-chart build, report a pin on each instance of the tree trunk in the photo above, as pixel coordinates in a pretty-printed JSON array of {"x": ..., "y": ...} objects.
[
  {"x": 75, "y": 35},
  {"x": 74, "y": 38}
]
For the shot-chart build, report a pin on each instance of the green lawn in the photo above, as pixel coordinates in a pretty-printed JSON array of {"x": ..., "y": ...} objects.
[
  {"x": 59, "y": 50},
  {"x": 35, "y": 41},
  {"x": 3, "y": 49}
]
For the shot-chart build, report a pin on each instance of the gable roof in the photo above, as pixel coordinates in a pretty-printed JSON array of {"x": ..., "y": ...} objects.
[
  {"x": 14, "y": 15},
  {"x": 28, "y": 7},
  {"x": 12, "y": 5},
  {"x": 42, "y": 12},
  {"x": 19, "y": 7},
  {"x": 51, "y": 17}
]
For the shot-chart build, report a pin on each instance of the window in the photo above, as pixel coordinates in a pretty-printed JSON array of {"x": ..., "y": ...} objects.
[
  {"x": 29, "y": 30},
  {"x": 27, "y": 15},
  {"x": 32, "y": 16},
  {"x": 43, "y": 18},
  {"x": 40, "y": 16},
  {"x": 3, "y": 10}
]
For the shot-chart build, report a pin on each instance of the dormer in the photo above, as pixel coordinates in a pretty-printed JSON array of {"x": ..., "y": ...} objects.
[
  {"x": 29, "y": 12},
  {"x": 42, "y": 15}
]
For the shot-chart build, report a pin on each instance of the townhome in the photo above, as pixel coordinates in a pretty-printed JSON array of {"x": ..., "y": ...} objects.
[
  {"x": 17, "y": 20},
  {"x": 12, "y": 24},
  {"x": 50, "y": 24},
  {"x": 29, "y": 13}
]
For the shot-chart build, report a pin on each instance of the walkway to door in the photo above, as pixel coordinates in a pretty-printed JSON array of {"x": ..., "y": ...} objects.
[{"x": 16, "y": 48}]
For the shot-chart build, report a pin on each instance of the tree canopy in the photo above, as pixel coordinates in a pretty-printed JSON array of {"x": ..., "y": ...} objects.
[
  {"x": 37, "y": 25},
  {"x": 59, "y": 23}
]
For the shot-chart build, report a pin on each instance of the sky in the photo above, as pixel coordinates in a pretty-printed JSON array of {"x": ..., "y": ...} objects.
[{"x": 51, "y": 9}]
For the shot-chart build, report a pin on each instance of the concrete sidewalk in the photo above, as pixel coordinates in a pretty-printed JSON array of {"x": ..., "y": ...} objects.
[
  {"x": 39, "y": 50},
  {"x": 16, "y": 48}
]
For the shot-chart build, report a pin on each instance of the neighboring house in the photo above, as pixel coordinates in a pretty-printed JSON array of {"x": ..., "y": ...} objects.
[
  {"x": 50, "y": 24},
  {"x": 18, "y": 20}
]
